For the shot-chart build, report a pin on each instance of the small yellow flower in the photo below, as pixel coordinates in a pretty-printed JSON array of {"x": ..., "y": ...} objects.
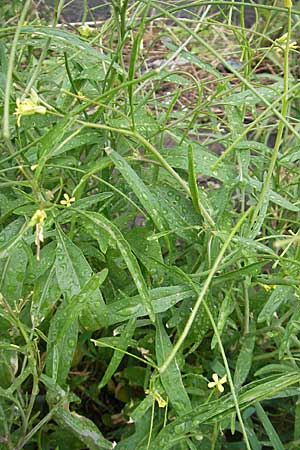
[
  {"x": 282, "y": 41},
  {"x": 29, "y": 106},
  {"x": 38, "y": 220},
  {"x": 85, "y": 31},
  {"x": 156, "y": 395},
  {"x": 268, "y": 287},
  {"x": 67, "y": 201},
  {"x": 218, "y": 382}
]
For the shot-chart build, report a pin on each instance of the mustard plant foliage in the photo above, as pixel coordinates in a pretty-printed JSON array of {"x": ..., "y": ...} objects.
[{"x": 149, "y": 227}]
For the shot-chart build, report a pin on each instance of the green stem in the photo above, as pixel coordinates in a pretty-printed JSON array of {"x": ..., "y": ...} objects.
[
  {"x": 204, "y": 289},
  {"x": 6, "y": 131},
  {"x": 263, "y": 198},
  {"x": 230, "y": 380},
  {"x": 158, "y": 156},
  {"x": 235, "y": 72}
]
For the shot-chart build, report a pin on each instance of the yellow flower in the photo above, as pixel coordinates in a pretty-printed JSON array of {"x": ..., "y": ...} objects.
[
  {"x": 282, "y": 41},
  {"x": 85, "y": 30},
  {"x": 29, "y": 106},
  {"x": 218, "y": 382},
  {"x": 268, "y": 287},
  {"x": 38, "y": 220},
  {"x": 156, "y": 395},
  {"x": 67, "y": 201}
]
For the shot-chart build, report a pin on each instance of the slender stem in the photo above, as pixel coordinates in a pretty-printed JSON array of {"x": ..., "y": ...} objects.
[
  {"x": 253, "y": 125},
  {"x": 158, "y": 156},
  {"x": 228, "y": 373},
  {"x": 204, "y": 289},
  {"x": 44, "y": 52},
  {"x": 246, "y": 307},
  {"x": 6, "y": 131},
  {"x": 263, "y": 198},
  {"x": 35, "y": 429},
  {"x": 235, "y": 72}
]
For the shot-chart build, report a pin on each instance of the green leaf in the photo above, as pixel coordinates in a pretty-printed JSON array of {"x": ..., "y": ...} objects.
[
  {"x": 227, "y": 307},
  {"x": 48, "y": 143},
  {"x": 150, "y": 203},
  {"x": 85, "y": 137},
  {"x": 171, "y": 377},
  {"x": 292, "y": 328},
  {"x": 178, "y": 211},
  {"x": 73, "y": 271},
  {"x": 12, "y": 273},
  {"x": 201, "y": 323},
  {"x": 147, "y": 251},
  {"x": 46, "y": 292},
  {"x": 224, "y": 406},
  {"x": 8, "y": 366},
  {"x": 274, "y": 196},
  {"x": 69, "y": 39},
  {"x": 99, "y": 222},
  {"x": 192, "y": 180},
  {"x": 162, "y": 299},
  {"x": 63, "y": 331},
  {"x": 119, "y": 353},
  {"x": 188, "y": 56},
  {"x": 83, "y": 428},
  {"x": 14, "y": 262},
  {"x": 244, "y": 361},
  {"x": 270, "y": 93},
  {"x": 203, "y": 159},
  {"x": 144, "y": 123},
  {"x": 9, "y": 238},
  {"x": 67, "y": 313},
  {"x": 281, "y": 294},
  {"x": 270, "y": 430}
]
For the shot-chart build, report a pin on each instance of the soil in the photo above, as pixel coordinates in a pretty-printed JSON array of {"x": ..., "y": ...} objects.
[{"x": 100, "y": 10}]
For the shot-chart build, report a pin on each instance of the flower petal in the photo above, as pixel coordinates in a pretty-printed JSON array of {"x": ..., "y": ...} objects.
[
  {"x": 220, "y": 387},
  {"x": 223, "y": 379},
  {"x": 215, "y": 377},
  {"x": 211, "y": 384}
]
